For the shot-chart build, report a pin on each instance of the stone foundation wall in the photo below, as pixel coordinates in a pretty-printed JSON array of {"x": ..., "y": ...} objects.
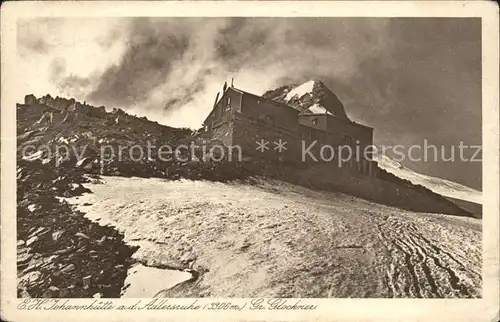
[
  {"x": 247, "y": 132},
  {"x": 223, "y": 132}
]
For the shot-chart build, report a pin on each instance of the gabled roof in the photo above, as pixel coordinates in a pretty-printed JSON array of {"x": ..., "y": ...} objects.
[{"x": 264, "y": 99}]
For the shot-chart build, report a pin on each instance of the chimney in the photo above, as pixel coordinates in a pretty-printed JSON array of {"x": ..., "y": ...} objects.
[
  {"x": 232, "y": 82},
  {"x": 216, "y": 98},
  {"x": 224, "y": 87}
]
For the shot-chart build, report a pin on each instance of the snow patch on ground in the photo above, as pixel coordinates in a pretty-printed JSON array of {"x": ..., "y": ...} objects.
[{"x": 145, "y": 282}]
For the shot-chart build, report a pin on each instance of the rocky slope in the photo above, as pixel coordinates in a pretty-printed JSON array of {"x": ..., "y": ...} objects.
[
  {"x": 104, "y": 142},
  {"x": 59, "y": 252}
]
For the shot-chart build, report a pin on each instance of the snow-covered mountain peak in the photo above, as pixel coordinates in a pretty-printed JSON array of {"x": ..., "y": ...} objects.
[
  {"x": 301, "y": 90},
  {"x": 309, "y": 97}
]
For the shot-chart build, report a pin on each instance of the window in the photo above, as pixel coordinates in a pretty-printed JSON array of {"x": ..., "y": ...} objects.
[
  {"x": 315, "y": 121},
  {"x": 228, "y": 104}
]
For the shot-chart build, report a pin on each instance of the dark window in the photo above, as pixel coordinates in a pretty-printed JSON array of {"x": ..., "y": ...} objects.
[
  {"x": 228, "y": 104},
  {"x": 315, "y": 121}
]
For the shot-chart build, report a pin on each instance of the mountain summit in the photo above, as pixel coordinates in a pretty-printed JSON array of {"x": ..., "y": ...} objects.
[{"x": 311, "y": 97}]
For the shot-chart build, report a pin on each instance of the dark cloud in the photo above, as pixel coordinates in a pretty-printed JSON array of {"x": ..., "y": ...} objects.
[
  {"x": 435, "y": 91},
  {"x": 145, "y": 64},
  {"x": 278, "y": 48}
]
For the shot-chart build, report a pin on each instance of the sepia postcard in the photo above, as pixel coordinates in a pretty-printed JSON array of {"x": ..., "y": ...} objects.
[{"x": 250, "y": 161}]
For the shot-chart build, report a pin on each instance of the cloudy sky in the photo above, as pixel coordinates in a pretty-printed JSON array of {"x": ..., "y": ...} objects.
[{"x": 409, "y": 78}]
